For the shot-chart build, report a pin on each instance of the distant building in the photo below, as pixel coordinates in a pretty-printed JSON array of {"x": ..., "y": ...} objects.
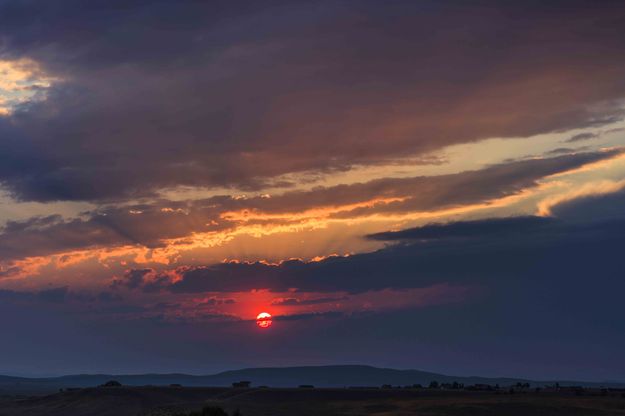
[{"x": 241, "y": 384}]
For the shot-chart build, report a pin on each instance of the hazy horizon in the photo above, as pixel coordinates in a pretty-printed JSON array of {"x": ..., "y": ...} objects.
[{"x": 185, "y": 373}]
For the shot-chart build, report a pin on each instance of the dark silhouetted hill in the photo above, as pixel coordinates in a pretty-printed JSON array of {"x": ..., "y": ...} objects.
[{"x": 318, "y": 376}]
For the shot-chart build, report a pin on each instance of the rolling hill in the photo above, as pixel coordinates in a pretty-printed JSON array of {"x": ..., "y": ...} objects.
[{"x": 319, "y": 376}]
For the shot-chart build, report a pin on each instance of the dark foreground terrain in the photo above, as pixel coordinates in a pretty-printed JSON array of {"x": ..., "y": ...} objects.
[{"x": 132, "y": 401}]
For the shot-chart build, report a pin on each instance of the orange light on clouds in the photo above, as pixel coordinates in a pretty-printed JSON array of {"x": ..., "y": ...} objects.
[
  {"x": 22, "y": 80},
  {"x": 313, "y": 233}
]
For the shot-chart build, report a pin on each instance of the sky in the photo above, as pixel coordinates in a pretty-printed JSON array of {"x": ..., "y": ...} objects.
[{"x": 437, "y": 185}]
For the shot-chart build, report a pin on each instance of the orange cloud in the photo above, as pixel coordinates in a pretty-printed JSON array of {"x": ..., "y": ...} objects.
[
  {"x": 250, "y": 229},
  {"x": 20, "y": 81},
  {"x": 588, "y": 189}
]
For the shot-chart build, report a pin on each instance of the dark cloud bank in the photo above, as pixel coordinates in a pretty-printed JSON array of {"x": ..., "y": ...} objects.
[{"x": 160, "y": 94}]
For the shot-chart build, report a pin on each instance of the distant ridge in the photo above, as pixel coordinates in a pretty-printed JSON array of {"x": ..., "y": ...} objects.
[{"x": 318, "y": 376}]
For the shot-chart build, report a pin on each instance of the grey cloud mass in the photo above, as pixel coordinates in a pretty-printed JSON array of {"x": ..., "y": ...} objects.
[
  {"x": 582, "y": 137},
  {"x": 161, "y": 94}
]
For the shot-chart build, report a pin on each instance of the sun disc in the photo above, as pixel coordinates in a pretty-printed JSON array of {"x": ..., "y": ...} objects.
[{"x": 263, "y": 320}]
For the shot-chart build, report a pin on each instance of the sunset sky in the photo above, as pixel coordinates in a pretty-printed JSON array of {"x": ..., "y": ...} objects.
[{"x": 411, "y": 184}]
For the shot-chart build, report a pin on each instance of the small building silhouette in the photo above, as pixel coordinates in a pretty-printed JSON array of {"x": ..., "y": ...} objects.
[{"x": 241, "y": 384}]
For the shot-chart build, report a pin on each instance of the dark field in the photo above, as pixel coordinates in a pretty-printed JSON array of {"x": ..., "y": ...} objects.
[{"x": 132, "y": 401}]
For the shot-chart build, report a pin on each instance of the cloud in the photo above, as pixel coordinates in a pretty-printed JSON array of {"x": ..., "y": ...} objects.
[
  {"x": 10, "y": 295},
  {"x": 429, "y": 193},
  {"x": 132, "y": 279},
  {"x": 152, "y": 224},
  {"x": 565, "y": 150},
  {"x": 303, "y": 302},
  {"x": 56, "y": 295},
  {"x": 306, "y": 316},
  {"x": 147, "y": 279},
  {"x": 493, "y": 227},
  {"x": 485, "y": 252},
  {"x": 582, "y": 136},
  {"x": 482, "y": 246},
  {"x": 145, "y": 105},
  {"x": 215, "y": 301},
  {"x": 596, "y": 207},
  {"x": 10, "y": 272},
  {"x": 595, "y": 188}
]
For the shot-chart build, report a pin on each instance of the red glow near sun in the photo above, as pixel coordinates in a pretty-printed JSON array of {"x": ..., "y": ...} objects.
[{"x": 263, "y": 320}]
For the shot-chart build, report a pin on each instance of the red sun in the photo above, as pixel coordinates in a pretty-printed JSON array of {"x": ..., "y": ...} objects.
[{"x": 263, "y": 320}]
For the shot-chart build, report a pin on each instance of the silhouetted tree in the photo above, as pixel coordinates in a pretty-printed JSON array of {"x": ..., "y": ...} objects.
[
  {"x": 112, "y": 383},
  {"x": 434, "y": 384}
]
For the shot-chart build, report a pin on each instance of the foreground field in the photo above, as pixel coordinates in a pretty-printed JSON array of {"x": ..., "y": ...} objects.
[{"x": 133, "y": 401}]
